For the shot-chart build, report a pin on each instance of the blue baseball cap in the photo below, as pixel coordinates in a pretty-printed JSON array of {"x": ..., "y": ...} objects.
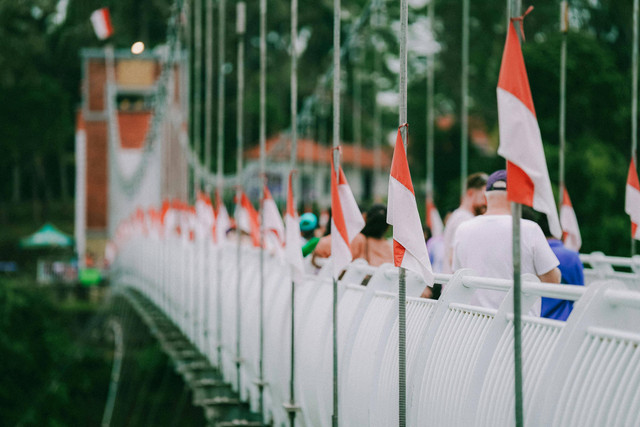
[{"x": 497, "y": 181}]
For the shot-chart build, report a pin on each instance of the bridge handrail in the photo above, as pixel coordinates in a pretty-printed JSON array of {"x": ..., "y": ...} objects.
[{"x": 457, "y": 386}]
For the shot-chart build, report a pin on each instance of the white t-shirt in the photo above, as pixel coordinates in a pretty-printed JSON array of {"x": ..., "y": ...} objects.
[
  {"x": 457, "y": 217},
  {"x": 484, "y": 245}
]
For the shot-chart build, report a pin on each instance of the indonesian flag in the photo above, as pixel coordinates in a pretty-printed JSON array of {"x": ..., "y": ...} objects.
[
  {"x": 346, "y": 220},
  {"x": 632, "y": 199},
  {"x": 101, "y": 21},
  {"x": 273, "y": 225},
  {"x": 222, "y": 223},
  {"x": 293, "y": 250},
  {"x": 247, "y": 219},
  {"x": 434, "y": 221},
  {"x": 570, "y": 229},
  {"x": 409, "y": 247},
  {"x": 528, "y": 180},
  {"x": 204, "y": 214}
]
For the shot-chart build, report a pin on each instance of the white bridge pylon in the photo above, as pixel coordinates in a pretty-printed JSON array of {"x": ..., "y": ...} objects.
[{"x": 582, "y": 372}]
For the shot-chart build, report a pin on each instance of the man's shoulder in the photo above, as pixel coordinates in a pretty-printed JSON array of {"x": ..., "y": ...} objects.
[
  {"x": 566, "y": 253},
  {"x": 460, "y": 214},
  {"x": 475, "y": 223}
]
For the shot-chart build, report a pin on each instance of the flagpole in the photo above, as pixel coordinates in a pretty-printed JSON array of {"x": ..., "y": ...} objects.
[
  {"x": 464, "y": 110},
  {"x": 240, "y": 31},
  {"x": 402, "y": 303},
  {"x": 291, "y": 406},
  {"x": 336, "y": 162},
  {"x": 516, "y": 213},
  {"x": 263, "y": 154},
  {"x": 197, "y": 92},
  {"x": 634, "y": 98},
  {"x": 564, "y": 28},
  {"x": 430, "y": 109}
]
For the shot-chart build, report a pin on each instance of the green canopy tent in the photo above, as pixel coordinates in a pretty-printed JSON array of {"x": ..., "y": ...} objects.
[{"x": 47, "y": 237}]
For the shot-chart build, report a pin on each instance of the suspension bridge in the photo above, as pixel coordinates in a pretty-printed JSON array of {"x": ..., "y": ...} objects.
[{"x": 260, "y": 345}]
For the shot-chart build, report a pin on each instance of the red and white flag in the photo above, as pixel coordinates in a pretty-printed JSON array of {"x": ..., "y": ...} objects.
[
  {"x": 434, "y": 221},
  {"x": 293, "y": 248},
  {"x": 101, "y": 21},
  {"x": 346, "y": 220},
  {"x": 632, "y": 200},
  {"x": 247, "y": 219},
  {"x": 570, "y": 229},
  {"x": 205, "y": 215},
  {"x": 273, "y": 225},
  {"x": 409, "y": 247},
  {"x": 223, "y": 223},
  {"x": 528, "y": 180}
]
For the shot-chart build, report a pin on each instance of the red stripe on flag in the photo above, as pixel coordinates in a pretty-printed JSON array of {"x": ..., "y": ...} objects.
[
  {"x": 513, "y": 74},
  {"x": 632, "y": 177},
  {"x": 398, "y": 254},
  {"x": 566, "y": 201},
  {"x": 336, "y": 206},
  {"x": 254, "y": 221},
  {"x": 520, "y": 188},
  {"x": 634, "y": 228},
  {"x": 267, "y": 193},
  {"x": 290, "y": 208},
  {"x": 107, "y": 20},
  {"x": 399, "y": 164}
]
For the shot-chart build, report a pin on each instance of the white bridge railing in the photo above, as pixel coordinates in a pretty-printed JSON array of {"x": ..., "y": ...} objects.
[{"x": 583, "y": 372}]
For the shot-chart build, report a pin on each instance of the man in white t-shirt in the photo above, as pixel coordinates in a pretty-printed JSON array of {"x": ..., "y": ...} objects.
[
  {"x": 484, "y": 244},
  {"x": 473, "y": 203}
]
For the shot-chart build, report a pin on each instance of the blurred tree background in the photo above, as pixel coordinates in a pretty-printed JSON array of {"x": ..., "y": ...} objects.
[
  {"x": 56, "y": 360},
  {"x": 40, "y": 77}
]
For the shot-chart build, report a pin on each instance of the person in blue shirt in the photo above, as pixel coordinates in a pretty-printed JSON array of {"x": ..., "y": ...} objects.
[{"x": 571, "y": 270}]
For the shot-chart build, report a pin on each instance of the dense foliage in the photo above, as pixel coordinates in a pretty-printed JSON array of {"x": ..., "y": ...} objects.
[{"x": 40, "y": 72}]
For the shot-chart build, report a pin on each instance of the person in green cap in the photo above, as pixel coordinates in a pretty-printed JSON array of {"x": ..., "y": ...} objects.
[{"x": 308, "y": 225}]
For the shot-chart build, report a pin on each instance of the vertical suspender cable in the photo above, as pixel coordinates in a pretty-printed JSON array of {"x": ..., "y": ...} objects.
[
  {"x": 208, "y": 129},
  {"x": 221, "y": 88},
  {"x": 240, "y": 31},
  {"x": 208, "y": 97},
  {"x": 336, "y": 161},
  {"x": 430, "y": 108},
  {"x": 464, "y": 109},
  {"x": 197, "y": 91},
  {"x": 263, "y": 154},
  {"x": 402, "y": 325},
  {"x": 357, "y": 112},
  {"x": 220, "y": 165},
  {"x": 516, "y": 213},
  {"x": 564, "y": 27},
  {"x": 377, "y": 125},
  {"x": 634, "y": 98},
  {"x": 294, "y": 157}
]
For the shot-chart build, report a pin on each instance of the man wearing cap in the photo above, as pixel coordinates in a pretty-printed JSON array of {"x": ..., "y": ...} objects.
[
  {"x": 472, "y": 203},
  {"x": 484, "y": 244}
]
